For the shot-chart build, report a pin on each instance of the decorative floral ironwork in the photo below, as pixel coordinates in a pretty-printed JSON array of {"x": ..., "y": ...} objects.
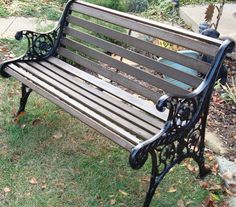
[
  {"x": 40, "y": 45},
  {"x": 184, "y": 132}
]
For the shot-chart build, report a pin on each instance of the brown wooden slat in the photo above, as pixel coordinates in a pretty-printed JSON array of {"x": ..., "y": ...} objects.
[
  {"x": 186, "y": 42},
  {"x": 110, "y": 75},
  {"x": 115, "y": 91},
  {"x": 141, "y": 75},
  {"x": 97, "y": 108},
  {"x": 75, "y": 104},
  {"x": 145, "y": 117},
  {"x": 134, "y": 86},
  {"x": 71, "y": 82},
  {"x": 193, "y": 63},
  {"x": 191, "y": 80},
  {"x": 178, "y": 30}
]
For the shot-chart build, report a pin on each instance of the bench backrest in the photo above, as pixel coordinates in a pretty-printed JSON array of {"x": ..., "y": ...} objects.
[{"x": 117, "y": 46}]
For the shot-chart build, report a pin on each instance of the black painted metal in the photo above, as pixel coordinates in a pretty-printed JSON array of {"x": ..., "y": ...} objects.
[
  {"x": 26, "y": 91},
  {"x": 40, "y": 45},
  {"x": 184, "y": 132}
]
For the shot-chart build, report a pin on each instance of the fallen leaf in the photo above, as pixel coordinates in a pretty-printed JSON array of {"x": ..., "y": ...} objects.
[
  {"x": 7, "y": 190},
  {"x": 191, "y": 168},
  {"x": 123, "y": 192},
  {"x": 172, "y": 190},
  {"x": 180, "y": 203},
  {"x": 44, "y": 187},
  {"x": 33, "y": 181},
  {"x": 112, "y": 202},
  {"x": 227, "y": 175},
  {"x": 57, "y": 135},
  {"x": 204, "y": 184},
  {"x": 22, "y": 126},
  {"x": 36, "y": 122}
]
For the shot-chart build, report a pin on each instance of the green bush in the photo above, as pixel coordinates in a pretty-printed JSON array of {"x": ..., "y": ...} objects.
[
  {"x": 121, "y": 5},
  {"x": 3, "y": 11},
  {"x": 137, "y": 5}
]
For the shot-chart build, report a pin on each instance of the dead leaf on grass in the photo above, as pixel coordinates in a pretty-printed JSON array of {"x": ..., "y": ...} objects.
[
  {"x": 228, "y": 175},
  {"x": 180, "y": 203},
  {"x": 204, "y": 184},
  {"x": 112, "y": 202},
  {"x": 6, "y": 190},
  {"x": 57, "y": 135},
  {"x": 33, "y": 181},
  {"x": 191, "y": 168},
  {"x": 43, "y": 187},
  {"x": 172, "y": 190},
  {"x": 123, "y": 192},
  {"x": 36, "y": 122}
]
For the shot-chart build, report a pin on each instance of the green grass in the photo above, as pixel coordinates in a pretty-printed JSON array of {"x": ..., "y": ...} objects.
[{"x": 72, "y": 164}]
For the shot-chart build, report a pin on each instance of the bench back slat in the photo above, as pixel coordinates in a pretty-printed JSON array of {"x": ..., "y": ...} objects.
[
  {"x": 126, "y": 49},
  {"x": 187, "y": 61},
  {"x": 133, "y": 24},
  {"x": 139, "y": 74},
  {"x": 109, "y": 74},
  {"x": 135, "y": 57}
]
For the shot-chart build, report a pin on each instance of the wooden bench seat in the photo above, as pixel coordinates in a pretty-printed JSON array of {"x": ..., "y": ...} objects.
[
  {"x": 124, "y": 117},
  {"x": 104, "y": 67}
]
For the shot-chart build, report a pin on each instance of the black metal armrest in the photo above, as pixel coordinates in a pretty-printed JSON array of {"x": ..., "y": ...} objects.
[
  {"x": 180, "y": 137},
  {"x": 40, "y": 45}
]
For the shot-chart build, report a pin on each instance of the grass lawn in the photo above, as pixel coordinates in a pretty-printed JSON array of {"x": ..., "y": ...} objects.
[{"x": 49, "y": 158}]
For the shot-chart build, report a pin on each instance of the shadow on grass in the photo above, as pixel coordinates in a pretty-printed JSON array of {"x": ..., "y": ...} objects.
[{"x": 51, "y": 159}]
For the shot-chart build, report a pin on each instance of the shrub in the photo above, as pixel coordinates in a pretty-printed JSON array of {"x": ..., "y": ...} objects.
[
  {"x": 137, "y": 5},
  {"x": 3, "y": 11}
]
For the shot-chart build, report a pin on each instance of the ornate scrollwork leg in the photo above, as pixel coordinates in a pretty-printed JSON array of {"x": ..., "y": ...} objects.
[{"x": 24, "y": 98}]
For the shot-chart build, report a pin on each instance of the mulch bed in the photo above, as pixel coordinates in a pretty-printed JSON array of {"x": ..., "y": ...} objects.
[{"x": 222, "y": 115}]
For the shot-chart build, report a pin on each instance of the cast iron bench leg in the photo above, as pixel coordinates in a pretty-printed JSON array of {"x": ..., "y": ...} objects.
[{"x": 24, "y": 98}]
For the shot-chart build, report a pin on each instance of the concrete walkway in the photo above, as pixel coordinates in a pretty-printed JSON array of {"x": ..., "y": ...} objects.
[
  {"x": 9, "y": 26},
  {"x": 193, "y": 15}
]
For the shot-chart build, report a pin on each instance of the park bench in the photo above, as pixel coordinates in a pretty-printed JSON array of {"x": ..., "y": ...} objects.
[{"x": 102, "y": 66}]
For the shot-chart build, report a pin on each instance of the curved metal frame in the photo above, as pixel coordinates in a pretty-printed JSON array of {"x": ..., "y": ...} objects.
[
  {"x": 40, "y": 45},
  {"x": 184, "y": 132}
]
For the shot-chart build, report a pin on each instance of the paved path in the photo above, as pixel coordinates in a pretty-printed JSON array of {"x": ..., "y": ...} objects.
[
  {"x": 9, "y": 26},
  {"x": 193, "y": 15}
]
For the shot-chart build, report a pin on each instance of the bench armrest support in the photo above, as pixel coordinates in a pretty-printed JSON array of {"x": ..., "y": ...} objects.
[
  {"x": 40, "y": 45},
  {"x": 184, "y": 131}
]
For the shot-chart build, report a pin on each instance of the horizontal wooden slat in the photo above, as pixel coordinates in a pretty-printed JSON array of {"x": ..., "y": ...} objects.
[
  {"x": 193, "y": 63},
  {"x": 115, "y": 91},
  {"x": 191, "y": 80},
  {"x": 170, "y": 28},
  {"x": 92, "y": 105},
  {"x": 71, "y": 82},
  {"x": 186, "y": 42},
  {"x": 140, "y": 74},
  {"x": 134, "y": 112},
  {"x": 79, "y": 115},
  {"x": 111, "y": 75}
]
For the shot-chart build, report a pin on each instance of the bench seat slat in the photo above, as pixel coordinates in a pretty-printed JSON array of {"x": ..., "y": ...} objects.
[
  {"x": 149, "y": 78},
  {"x": 191, "y": 80},
  {"x": 143, "y": 117},
  {"x": 198, "y": 65},
  {"x": 70, "y": 81},
  {"x": 92, "y": 105},
  {"x": 109, "y": 88},
  {"x": 116, "y": 137},
  {"x": 186, "y": 42}
]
